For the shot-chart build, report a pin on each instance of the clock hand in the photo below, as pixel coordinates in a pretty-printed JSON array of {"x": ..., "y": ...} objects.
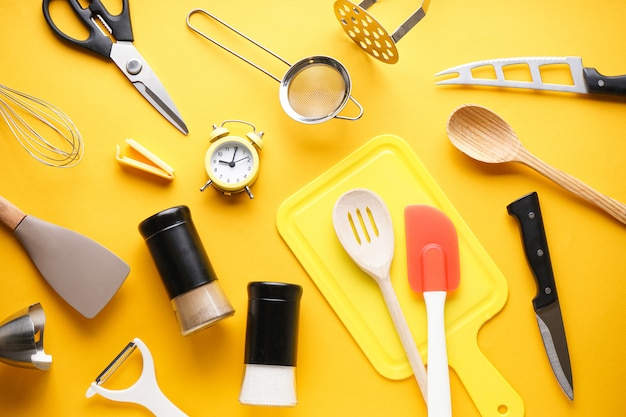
[
  {"x": 232, "y": 161},
  {"x": 242, "y": 159}
]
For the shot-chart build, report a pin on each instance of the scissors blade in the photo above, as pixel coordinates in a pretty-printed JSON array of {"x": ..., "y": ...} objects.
[{"x": 137, "y": 70}]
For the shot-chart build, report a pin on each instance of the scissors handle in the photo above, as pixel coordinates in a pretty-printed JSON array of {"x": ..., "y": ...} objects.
[{"x": 119, "y": 25}]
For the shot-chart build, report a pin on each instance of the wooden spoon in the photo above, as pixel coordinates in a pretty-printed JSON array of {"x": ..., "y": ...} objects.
[
  {"x": 484, "y": 136},
  {"x": 363, "y": 226}
]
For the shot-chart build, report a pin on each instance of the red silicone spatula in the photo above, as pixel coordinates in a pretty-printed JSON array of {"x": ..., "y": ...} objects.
[{"x": 433, "y": 268}]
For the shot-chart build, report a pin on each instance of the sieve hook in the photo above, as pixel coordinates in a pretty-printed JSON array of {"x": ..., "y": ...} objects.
[{"x": 318, "y": 98}]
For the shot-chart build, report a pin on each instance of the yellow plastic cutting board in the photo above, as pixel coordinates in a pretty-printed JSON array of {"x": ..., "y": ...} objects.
[{"x": 388, "y": 166}]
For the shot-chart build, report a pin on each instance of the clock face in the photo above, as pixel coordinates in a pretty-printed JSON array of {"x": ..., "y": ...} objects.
[{"x": 233, "y": 164}]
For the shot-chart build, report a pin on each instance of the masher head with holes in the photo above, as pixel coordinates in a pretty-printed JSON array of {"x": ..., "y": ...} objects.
[{"x": 369, "y": 34}]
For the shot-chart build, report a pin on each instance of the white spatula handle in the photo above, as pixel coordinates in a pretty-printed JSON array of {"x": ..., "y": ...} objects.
[
  {"x": 402, "y": 328},
  {"x": 10, "y": 215},
  {"x": 439, "y": 403}
]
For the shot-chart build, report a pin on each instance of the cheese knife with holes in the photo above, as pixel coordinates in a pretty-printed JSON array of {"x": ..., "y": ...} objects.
[
  {"x": 546, "y": 302},
  {"x": 584, "y": 80}
]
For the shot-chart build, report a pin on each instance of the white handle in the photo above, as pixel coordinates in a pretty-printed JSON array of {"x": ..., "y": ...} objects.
[
  {"x": 149, "y": 397},
  {"x": 404, "y": 332},
  {"x": 145, "y": 391},
  {"x": 439, "y": 402}
]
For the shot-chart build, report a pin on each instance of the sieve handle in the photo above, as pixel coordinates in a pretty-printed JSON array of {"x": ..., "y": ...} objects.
[
  {"x": 263, "y": 70},
  {"x": 355, "y": 117}
]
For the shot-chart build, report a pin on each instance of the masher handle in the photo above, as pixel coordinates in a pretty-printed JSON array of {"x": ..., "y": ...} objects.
[{"x": 10, "y": 215}]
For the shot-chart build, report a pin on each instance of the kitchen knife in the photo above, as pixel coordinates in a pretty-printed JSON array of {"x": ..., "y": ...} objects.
[
  {"x": 585, "y": 80},
  {"x": 546, "y": 302}
]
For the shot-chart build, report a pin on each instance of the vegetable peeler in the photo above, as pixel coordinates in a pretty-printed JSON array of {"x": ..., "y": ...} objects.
[{"x": 145, "y": 391}]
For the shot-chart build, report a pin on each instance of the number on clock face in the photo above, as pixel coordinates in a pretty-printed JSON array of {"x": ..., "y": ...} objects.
[{"x": 231, "y": 163}]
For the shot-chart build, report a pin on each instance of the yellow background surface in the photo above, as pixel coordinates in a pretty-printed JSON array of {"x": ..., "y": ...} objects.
[{"x": 202, "y": 373}]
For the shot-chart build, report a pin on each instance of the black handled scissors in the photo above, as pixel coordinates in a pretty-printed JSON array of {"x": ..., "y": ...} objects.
[{"x": 97, "y": 19}]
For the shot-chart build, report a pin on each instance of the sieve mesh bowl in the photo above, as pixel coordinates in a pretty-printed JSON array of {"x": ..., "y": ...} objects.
[{"x": 315, "y": 89}]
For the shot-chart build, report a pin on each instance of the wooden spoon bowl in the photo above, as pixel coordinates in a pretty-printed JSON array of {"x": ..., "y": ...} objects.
[{"x": 484, "y": 136}]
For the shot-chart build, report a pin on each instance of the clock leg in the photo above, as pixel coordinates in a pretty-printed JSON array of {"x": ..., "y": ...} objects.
[{"x": 206, "y": 185}]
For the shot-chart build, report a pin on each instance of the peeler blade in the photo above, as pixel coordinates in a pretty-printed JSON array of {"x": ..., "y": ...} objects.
[{"x": 116, "y": 363}]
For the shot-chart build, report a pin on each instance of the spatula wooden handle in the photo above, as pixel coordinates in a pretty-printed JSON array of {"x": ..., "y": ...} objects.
[
  {"x": 10, "y": 215},
  {"x": 402, "y": 328},
  {"x": 574, "y": 185}
]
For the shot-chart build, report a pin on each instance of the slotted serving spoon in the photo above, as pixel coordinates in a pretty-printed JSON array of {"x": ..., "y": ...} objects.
[
  {"x": 364, "y": 228},
  {"x": 484, "y": 136}
]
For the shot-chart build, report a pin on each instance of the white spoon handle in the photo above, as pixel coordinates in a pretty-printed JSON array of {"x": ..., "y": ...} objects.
[
  {"x": 402, "y": 328},
  {"x": 439, "y": 402},
  {"x": 574, "y": 185}
]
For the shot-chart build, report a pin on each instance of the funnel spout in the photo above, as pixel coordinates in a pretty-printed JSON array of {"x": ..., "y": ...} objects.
[{"x": 21, "y": 339}]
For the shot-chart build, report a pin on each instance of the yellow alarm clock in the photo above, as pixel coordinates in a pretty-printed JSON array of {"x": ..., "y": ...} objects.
[{"x": 232, "y": 162}]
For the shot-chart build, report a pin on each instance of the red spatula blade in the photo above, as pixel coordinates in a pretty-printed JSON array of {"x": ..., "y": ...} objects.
[{"x": 432, "y": 249}]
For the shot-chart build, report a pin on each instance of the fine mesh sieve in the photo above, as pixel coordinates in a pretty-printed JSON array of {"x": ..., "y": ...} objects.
[{"x": 313, "y": 90}]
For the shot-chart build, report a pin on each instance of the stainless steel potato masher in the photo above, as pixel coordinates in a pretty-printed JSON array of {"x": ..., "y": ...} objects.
[
  {"x": 313, "y": 90},
  {"x": 366, "y": 32}
]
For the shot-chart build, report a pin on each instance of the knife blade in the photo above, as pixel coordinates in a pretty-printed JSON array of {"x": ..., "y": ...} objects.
[
  {"x": 585, "y": 80},
  {"x": 546, "y": 302}
]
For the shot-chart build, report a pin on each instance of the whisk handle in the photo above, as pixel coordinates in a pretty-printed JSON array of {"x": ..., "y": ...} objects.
[{"x": 10, "y": 215}]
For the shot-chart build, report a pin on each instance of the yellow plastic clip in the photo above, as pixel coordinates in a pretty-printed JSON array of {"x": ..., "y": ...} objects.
[{"x": 160, "y": 168}]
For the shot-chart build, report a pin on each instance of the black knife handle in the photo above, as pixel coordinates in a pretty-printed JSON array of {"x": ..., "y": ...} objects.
[
  {"x": 528, "y": 213},
  {"x": 601, "y": 84}
]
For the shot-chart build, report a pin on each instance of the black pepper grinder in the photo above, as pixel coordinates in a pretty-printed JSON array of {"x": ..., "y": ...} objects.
[{"x": 185, "y": 269}]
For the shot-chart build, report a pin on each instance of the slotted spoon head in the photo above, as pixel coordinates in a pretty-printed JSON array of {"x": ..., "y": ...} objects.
[{"x": 364, "y": 228}]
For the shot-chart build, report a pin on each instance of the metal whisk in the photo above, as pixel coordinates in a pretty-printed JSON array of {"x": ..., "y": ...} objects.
[{"x": 35, "y": 122}]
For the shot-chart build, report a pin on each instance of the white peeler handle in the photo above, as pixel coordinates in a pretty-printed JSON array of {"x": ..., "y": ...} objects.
[
  {"x": 145, "y": 391},
  {"x": 439, "y": 401}
]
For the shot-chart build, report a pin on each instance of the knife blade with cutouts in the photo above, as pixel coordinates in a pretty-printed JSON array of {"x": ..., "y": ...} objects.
[{"x": 584, "y": 80}]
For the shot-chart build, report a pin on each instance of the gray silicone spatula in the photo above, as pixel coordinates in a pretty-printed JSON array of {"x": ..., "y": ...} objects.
[{"x": 83, "y": 272}]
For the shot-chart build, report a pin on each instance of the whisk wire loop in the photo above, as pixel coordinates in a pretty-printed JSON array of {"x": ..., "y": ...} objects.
[{"x": 19, "y": 110}]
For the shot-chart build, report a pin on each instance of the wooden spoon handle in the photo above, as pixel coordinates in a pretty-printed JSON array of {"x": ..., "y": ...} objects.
[
  {"x": 10, "y": 215},
  {"x": 574, "y": 185},
  {"x": 402, "y": 328}
]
